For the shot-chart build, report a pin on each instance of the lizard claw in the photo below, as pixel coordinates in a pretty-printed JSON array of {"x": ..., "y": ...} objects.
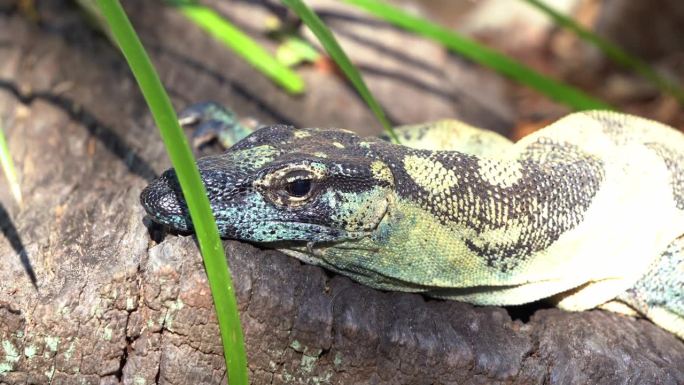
[
  {"x": 215, "y": 121},
  {"x": 213, "y": 129},
  {"x": 200, "y": 111}
]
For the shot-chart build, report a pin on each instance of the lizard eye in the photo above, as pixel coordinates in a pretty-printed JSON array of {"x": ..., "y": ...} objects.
[
  {"x": 297, "y": 185},
  {"x": 292, "y": 187},
  {"x": 299, "y": 188}
]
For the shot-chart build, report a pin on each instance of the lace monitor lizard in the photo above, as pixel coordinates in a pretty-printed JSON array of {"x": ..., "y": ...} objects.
[{"x": 588, "y": 211}]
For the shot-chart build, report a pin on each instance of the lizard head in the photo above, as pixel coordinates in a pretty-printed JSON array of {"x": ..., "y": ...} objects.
[{"x": 284, "y": 184}]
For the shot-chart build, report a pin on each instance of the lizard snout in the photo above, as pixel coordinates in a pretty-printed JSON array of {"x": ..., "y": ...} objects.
[{"x": 164, "y": 203}]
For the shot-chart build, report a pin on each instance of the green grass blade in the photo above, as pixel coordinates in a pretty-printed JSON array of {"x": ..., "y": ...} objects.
[
  {"x": 612, "y": 51},
  {"x": 470, "y": 49},
  {"x": 8, "y": 168},
  {"x": 193, "y": 189},
  {"x": 337, "y": 54},
  {"x": 224, "y": 31}
]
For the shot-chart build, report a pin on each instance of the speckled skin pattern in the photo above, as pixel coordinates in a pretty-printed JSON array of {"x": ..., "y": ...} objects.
[{"x": 588, "y": 211}]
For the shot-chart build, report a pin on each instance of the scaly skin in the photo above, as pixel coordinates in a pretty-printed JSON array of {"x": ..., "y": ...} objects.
[{"x": 588, "y": 210}]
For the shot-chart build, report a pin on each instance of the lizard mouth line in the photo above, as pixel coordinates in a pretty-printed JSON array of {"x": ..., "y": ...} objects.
[{"x": 184, "y": 224}]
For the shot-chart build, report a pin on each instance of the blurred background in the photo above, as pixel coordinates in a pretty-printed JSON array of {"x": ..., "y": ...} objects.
[{"x": 415, "y": 78}]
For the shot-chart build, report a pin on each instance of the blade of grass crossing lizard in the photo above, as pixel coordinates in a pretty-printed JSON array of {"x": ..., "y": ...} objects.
[{"x": 192, "y": 188}]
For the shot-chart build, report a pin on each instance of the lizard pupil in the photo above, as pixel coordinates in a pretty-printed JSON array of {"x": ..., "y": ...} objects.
[{"x": 299, "y": 188}]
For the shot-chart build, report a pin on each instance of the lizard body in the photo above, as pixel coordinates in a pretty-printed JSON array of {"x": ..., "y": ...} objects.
[{"x": 589, "y": 210}]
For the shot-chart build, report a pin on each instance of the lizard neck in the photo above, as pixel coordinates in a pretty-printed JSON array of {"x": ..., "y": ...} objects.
[{"x": 502, "y": 209}]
